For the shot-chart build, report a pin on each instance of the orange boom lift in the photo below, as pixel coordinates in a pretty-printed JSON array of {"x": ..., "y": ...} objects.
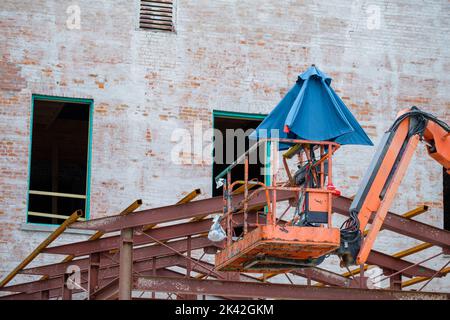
[
  {"x": 306, "y": 236},
  {"x": 388, "y": 166}
]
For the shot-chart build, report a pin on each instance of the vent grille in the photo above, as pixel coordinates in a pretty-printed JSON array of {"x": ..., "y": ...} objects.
[{"x": 156, "y": 15}]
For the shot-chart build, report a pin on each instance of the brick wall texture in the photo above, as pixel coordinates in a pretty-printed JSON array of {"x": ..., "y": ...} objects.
[{"x": 225, "y": 55}]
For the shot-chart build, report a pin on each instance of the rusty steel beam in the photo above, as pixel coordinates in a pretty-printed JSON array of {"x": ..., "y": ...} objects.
[
  {"x": 402, "y": 225},
  {"x": 24, "y": 296},
  {"x": 110, "y": 291},
  {"x": 105, "y": 244},
  {"x": 386, "y": 261},
  {"x": 162, "y": 234},
  {"x": 142, "y": 266},
  {"x": 412, "y": 250},
  {"x": 188, "y": 229},
  {"x": 166, "y": 233},
  {"x": 39, "y": 295},
  {"x": 45, "y": 295},
  {"x": 38, "y": 285},
  {"x": 126, "y": 264},
  {"x": 55, "y": 234},
  {"x": 112, "y": 242},
  {"x": 401, "y": 254},
  {"x": 416, "y": 280},
  {"x": 139, "y": 254},
  {"x": 204, "y": 267},
  {"x": 173, "y": 212},
  {"x": 316, "y": 274},
  {"x": 198, "y": 208},
  {"x": 57, "y": 269},
  {"x": 188, "y": 198},
  {"x": 50, "y": 294},
  {"x": 66, "y": 293},
  {"x": 168, "y": 273},
  {"x": 109, "y": 269},
  {"x": 409, "y": 215},
  {"x": 375, "y": 258},
  {"x": 176, "y": 274},
  {"x": 323, "y": 276},
  {"x": 133, "y": 206},
  {"x": 105, "y": 274},
  {"x": 136, "y": 204},
  {"x": 274, "y": 291},
  {"x": 204, "y": 207},
  {"x": 163, "y": 272},
  {"x": 93, "y": 272},
  {"x": 32, "y": 290}
]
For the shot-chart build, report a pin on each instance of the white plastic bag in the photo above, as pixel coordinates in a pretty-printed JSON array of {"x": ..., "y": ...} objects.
[{"x": 216, "y": 233}]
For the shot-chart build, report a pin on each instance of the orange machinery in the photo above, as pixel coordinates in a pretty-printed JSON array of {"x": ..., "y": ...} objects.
[
  {"x": 271, "y": 244},
  {"x": 386, "y": 171}
]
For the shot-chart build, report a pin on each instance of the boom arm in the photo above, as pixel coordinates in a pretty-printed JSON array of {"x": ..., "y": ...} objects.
[{"x": 387, "y": 168}]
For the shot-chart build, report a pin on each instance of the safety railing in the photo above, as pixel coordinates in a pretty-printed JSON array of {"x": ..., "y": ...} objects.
[{"x": 305, "y": 149}]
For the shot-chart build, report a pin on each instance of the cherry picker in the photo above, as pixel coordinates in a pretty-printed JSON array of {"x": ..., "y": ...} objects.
[{"x": 269, "y": 243}]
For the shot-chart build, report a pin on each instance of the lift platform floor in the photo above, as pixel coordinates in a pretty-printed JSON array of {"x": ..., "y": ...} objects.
[{"x": 277, "y": 248}]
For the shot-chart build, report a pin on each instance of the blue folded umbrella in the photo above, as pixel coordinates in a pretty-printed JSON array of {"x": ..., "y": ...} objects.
[{"x": 311, "y": 110}]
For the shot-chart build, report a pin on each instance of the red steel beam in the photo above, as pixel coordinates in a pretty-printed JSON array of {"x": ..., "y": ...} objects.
[
  {"x": 38, "y": 285},
  {"x": 145, "y": 265},
  {"x": 105, "y": 244},
  {"x": 389, "y": 262},
  {"x": 402, "y": 225},
  {"x": 139, "y": 254},
  {"x": 203, "y": 267},
  {"x": 274, "y": 291},
  {"x": 204, "y": 207},
  {"x": 323, "y": 276},
  {"x": 25, "y": 296},
  {"x": 158, "y": 215},
  {"x": 168, "y": 273},
  {"x": 316, "y": 274},
  {"x": 105, "y": 274},
  {"x": 174, "y": 231},
  {"x": 162, "y": 234},
  {"x": 172, "y": 273},
  {"x": 55, "y": 293},
  {"x": 393, "y": 222},
  {"x": 110, "y": 291},
  {"x": 84, "y": 248},
  {"x": 141, "y": 266}
]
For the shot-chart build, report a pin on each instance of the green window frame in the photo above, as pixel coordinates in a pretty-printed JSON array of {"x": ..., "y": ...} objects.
[
  {"x": 245, "y": 116},
  {"x": 90, "y": 103}
]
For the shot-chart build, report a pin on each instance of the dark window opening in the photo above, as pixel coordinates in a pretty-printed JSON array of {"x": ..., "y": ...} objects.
[
  {"x": 156, "y": 15},
  {"x": 446, "y": 200},
  {"x": 222, "y": 123},
  {"x": 59, "y": 155}
]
